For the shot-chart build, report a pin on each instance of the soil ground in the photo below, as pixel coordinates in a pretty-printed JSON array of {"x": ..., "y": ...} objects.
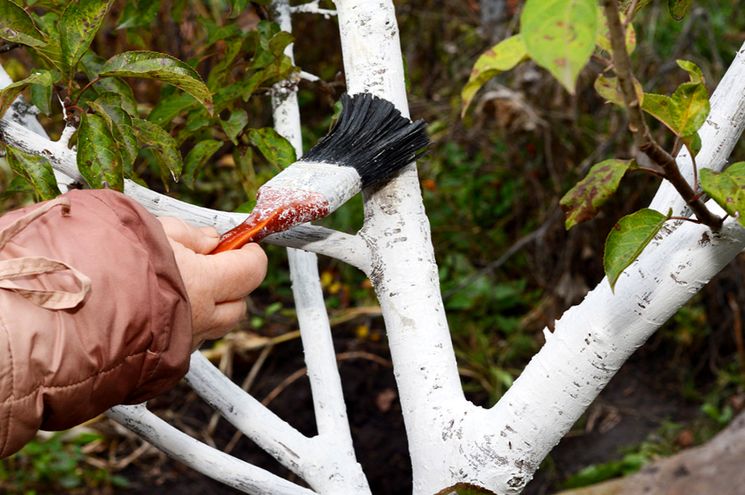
[{"x": 635, "y": 404}]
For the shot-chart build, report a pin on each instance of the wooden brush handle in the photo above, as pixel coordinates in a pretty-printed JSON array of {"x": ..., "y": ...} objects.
[
  {"x": 251, "y": 230},
  {"x": 275, "y": 211}
]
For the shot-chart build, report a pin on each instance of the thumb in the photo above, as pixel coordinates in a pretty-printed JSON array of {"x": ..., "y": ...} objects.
[{"x": 200, "y": 240}]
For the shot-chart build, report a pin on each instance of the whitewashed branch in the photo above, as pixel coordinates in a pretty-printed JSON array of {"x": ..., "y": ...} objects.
[
  {"x": 404, "y": 272},
  {"x": 341, "y": 471},
  {"x": 450, "y": 440},
  {"x": 247, "y": 414},
  {"x": 719, "y": 135},
  {"x": 201, "y": 457},
  {"x": 327, "y": 462},
  {"x": 345, "y": 247},
  {"x": 24, "y": 114},
  {"x": 311, "y": 8}
]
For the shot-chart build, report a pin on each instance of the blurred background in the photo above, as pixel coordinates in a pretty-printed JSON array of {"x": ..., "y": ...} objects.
[{"x": 491, "y": 183}]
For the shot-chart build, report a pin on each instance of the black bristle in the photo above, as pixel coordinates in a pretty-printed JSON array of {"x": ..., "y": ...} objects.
[{"x": 372, "y": 136}]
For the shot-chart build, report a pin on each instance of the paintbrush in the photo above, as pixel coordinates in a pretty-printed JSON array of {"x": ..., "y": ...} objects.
[{"x": 367, "y": 145}]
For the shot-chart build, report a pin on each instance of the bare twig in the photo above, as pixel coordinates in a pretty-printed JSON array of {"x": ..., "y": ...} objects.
[
  {"x": 737, "y": 330},
  {"x": 343, "y": 356}
]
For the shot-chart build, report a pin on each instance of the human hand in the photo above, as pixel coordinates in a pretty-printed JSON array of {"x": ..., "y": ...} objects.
[{"x": 217, "y": 284}]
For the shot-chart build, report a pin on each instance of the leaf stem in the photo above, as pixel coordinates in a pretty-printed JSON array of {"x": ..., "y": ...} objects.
[
  {"x": 642, "y": 136},
  {"x": 85, "y": 88}
]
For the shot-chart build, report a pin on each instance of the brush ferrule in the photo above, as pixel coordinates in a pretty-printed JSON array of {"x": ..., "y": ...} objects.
[{"x": 333, "y": 182}]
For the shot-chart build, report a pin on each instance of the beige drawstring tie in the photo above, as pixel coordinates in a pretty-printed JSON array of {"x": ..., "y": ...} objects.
[{"x": 39, "y": 265}]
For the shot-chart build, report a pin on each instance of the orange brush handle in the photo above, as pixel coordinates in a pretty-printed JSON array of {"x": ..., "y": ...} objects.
[{"x": 251, "y": 230}]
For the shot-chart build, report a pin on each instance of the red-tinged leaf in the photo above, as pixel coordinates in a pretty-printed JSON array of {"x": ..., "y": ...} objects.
[{"x": 581, "y": 203}]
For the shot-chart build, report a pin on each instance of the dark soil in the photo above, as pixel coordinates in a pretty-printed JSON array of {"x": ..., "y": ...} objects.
[{"x": 635, "y": 404}]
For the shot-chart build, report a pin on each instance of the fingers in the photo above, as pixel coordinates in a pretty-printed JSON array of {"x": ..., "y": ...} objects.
[
  {"x": 237, "y": 272},
  {"x": 224, "y": 318},
  {"x": 200, "y": 240}
]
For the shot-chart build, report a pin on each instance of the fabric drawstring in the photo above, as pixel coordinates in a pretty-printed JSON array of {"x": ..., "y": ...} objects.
[{"x": 38, "y": 265}]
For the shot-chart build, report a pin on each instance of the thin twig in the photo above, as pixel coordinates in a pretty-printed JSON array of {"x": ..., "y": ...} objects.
[
  {"x": 517, "y": 246},
  {"x": 737, "y": 330},
  {"x": 85, "y": 88},
  {"x": 642, "y": 136},
  {"x": 343, "y": 356}
]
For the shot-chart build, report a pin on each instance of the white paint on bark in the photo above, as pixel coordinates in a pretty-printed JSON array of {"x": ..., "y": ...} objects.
[
  {"x": 451, "y": 441},
  {"x": 201, "y": 457}
]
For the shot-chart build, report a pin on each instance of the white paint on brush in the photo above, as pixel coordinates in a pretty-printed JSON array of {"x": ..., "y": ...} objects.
[{"x": 336, "y": 183}]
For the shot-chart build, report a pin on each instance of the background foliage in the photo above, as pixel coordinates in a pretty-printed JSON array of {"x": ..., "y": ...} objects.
[{"x": 491, "y": 183}]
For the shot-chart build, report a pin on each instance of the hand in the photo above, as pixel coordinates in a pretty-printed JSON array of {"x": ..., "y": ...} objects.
[{"x": 217, "y": 284}]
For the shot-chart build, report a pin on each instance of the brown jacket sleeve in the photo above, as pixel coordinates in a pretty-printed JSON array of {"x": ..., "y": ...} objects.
[{"x": 127, "y": 341}]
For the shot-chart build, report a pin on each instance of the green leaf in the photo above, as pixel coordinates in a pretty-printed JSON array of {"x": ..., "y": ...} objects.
[
  {"x": 221, "y": 71},
  {"x": 500, "y": 58},
  {"x": 610, "y": 89},
  {"x": 138, "y": 13},
  {"x": 41, "y": 97},
  {"x": 164, "y": 147},
  {"x": 10, "y": 92},
  {"x": 685, "y": 111},
  {"x": 36, "y": 170},
  {"x": 119, "y": 122},
  {"x": 603, "y": 37},
  {"x": 693, "y": 70},
  {"x": 693, "y": 143},
  {"x": 197, "y": 157},
  {"x": 78, "y": 26},
  {"x": 627, "y": 239},
  {"x": 92, "y": 64},
  {"x": 581, "y": 203},
  {"x": 662, "y": 108},
  {"x": 153, "y": 65},
  {"x": 16, "y": 26},
  {"x": 679, "y": 8},
  {"x": 235, "y": 124},
  {"x": 727, "y": 189},
  {"x": 275, "y": 148},
  {"x": 169, "y": 107},
  {"x": 560, "y": 36},
  {"x": 692, "y": 101},
  {"x": 99, "y": 161},
  {"x": 217, "y": 32},
  {"x": 51, "y": 52}
]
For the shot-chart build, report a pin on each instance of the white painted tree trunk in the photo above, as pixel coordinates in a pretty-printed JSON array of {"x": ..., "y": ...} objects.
[{"x": 451, "y": 441}]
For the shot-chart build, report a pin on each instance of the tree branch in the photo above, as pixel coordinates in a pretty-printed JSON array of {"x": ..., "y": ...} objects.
[
  {"x": 642, "y": 136},
  {"x": 201, "y": 457}
]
